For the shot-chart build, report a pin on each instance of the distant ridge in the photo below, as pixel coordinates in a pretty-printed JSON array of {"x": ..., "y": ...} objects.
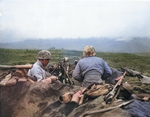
[{"x": 134, "y": 45}]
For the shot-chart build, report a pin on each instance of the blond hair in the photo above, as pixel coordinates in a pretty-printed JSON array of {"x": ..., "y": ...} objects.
[{"x": 89, "y": 51}]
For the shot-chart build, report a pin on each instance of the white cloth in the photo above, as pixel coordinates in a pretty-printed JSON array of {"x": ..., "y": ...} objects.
[{"x": 38, "y": 71}]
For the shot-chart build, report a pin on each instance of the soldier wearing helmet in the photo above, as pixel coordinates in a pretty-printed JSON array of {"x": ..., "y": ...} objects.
[
  {"x": 90, "y": 68},
  {"x": 38, "y": 71}
]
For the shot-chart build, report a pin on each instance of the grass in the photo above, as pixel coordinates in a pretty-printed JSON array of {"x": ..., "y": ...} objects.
[
  {"x": 20, "y": 57},
  {"x": 139, "y": 62},
  {"x": 133, "y": 61}
]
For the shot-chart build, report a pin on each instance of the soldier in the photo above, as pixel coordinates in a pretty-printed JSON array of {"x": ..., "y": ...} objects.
[
  {"x": 90, "y": 68},
  {"x": 38, "y": 72}
]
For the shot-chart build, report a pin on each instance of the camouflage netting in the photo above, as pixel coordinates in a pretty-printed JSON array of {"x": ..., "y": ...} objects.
[{"x": 26, "y": 99}]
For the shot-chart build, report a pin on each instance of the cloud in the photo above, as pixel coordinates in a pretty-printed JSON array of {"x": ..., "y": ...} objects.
[{"x": 73, "y": 19}]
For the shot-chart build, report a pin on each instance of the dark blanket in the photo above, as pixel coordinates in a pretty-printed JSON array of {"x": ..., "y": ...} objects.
[{"x": 138, "y": 109}]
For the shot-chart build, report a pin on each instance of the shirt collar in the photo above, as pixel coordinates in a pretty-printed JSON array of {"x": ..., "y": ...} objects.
[{"x": 40, "y": 64}]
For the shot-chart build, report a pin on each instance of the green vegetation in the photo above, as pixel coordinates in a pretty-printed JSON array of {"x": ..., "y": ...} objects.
[
  {"x": 133, "y": 61},
  {"x": 139, "y": 62},
  {"x": 21, "y": 57}
]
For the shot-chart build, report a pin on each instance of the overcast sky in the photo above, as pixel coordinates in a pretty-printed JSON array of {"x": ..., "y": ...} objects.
[{"x": 21, "y": 19}]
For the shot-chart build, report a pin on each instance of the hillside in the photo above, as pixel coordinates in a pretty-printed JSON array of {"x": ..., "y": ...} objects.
[
  {"x": 139, "y": 62},
  {"x": 134, "y": 45},
  {"x": 35, "y": 99}
]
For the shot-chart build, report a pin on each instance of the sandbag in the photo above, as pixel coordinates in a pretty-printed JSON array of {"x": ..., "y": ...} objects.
[
  {"x": 11, "y": 79},
  {"x": 98, "y": 89},
  {"x": 21, "y": 73},
  {"x": 5, "y": 80}
]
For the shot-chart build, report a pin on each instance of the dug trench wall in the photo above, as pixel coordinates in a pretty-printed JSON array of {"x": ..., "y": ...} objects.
[{"x": 26, "y": 99}]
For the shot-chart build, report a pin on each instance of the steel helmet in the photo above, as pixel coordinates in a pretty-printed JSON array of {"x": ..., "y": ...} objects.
[
  {"x": 89, "y": 51},
  {"x": 127, "y": 87},
  {"x": 66, "y": 59},
  {"x": 44, "y": 54},
  {"x": 125, "y": 91}
]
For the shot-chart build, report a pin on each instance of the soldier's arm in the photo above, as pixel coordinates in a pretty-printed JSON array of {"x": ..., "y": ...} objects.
[{"x": 77, "y": 73}]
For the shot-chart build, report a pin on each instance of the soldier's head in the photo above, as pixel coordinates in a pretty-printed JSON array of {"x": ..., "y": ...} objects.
[
  {"x": 66, "y": 59},
  {"x": 89, "y": 51},
  {"x": 125, "y": 91},
  {"x": 44, "y": 56}
]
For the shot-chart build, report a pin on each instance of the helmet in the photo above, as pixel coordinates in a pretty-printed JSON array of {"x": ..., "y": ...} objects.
[
  {"x": 66, "y": 59},
  {"x": 128, "y": 87},
  {"x": 44, "y": 54},
  {"x": 75, "y": 62},
  {"x": 125, "y": 91},
  {"x": 89, "y": 51}
]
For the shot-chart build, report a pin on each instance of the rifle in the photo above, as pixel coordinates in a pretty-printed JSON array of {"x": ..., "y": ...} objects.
[
  {"x": 109, "y": 98},
  {"x": 107, "y": 109}
]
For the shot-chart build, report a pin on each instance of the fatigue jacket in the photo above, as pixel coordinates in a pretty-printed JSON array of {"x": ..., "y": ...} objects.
[
  {"x": 38, "y": 71},
  {"x": 90, "y": 69}
]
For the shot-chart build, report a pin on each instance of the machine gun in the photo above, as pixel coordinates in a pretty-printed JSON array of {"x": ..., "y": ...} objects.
[{"x": 62, "y": 71}]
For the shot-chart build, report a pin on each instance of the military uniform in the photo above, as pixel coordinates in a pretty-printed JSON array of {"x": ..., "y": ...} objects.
[
  {"x": 38, "y": 71},
  {"x": 91, "y": 68}
]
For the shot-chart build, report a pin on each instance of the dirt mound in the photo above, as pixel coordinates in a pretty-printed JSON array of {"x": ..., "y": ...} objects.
[
  {"x": 26, "y": 99},
  {"x": 39, "y": 100}
]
